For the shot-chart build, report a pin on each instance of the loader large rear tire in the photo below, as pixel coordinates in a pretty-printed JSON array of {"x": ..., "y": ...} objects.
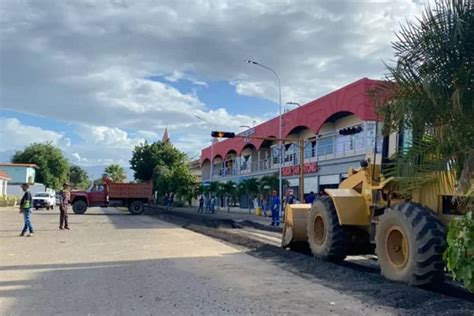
[
  {"x": 410, "y": 242},
  {"x": 326, "y": 238}
]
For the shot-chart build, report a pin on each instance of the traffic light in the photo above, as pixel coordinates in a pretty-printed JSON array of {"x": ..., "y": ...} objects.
[
  {"x": 350, "y": 130},
  {"x": 222, "y": 134}
]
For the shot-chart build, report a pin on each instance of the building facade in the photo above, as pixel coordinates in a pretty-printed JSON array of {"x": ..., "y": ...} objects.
[
  {"x": 4, "y": 178},
  {"x": 339, "y": 130},
  {"x": 20, "y": 172}
]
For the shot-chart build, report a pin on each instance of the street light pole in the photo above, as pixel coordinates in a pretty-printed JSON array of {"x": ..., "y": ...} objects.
[
  {"x": 280, "y": 182},
  {"x": 212, "y": 145},
  {"x": 291, "y": 103}
]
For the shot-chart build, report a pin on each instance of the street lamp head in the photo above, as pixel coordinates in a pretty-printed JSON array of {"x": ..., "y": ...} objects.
[{"x": 248, "y": 61}]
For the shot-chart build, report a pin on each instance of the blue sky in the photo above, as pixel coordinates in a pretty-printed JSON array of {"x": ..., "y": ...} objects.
[{"x": 98, "y": 78}]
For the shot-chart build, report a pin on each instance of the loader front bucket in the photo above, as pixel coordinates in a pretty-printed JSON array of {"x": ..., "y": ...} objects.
[{"x": 294, "y": 228}]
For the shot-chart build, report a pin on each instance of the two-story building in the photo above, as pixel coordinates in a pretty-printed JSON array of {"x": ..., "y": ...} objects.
[{"x": 339, "y": 130}]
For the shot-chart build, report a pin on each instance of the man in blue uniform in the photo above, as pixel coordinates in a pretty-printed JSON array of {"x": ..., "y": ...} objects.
[
  {"x": 310, "y": 198},
  {"x": 275, "y": 207}
]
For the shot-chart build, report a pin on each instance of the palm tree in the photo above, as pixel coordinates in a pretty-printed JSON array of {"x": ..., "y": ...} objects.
[
  {"x": 271, "y": 182},
  {"x": 230, "y": 191},
  {"x": 430, "y": 92},
  {"x": 116, "y": 172},
  {"x": 213, "y": 187},
  {"x": 248, "y": 188}
]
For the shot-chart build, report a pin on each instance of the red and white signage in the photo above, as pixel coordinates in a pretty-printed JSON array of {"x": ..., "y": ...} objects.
[{"x": 310, "y": 167}]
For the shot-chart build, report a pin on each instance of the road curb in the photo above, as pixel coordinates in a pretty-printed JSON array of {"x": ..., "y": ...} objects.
[{"x": 234, "y": 222}]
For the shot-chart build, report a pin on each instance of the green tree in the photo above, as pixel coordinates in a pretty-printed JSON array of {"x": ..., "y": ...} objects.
[
  {"x": 53, "y": 167},
  {"x": 147, "y": 157},
  {"x": 429, "y": 91},
  {"x": 175, "y": 178},
  {"x": 78, "y": 177},
  {"x": 271, "y": 182},
  {"x": 165, "y": 165},
  {"x": 248, "y": 188},
  {"x": 213, "y": 187},
  {"x": 230, "y": 191},
  {"x": 116, "y": 172}
]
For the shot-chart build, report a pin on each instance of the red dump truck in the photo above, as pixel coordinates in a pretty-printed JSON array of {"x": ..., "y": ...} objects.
[{"x": 132, "y": 195}]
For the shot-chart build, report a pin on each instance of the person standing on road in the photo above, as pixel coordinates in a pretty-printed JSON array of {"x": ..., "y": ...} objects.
[
  {"x": 213, "y": 204},
  {"x": 201, "y": 204},
  {"x": 64, "y": 198},
  {"x": 275, "y": 207},
  {"x": 26, "y": 204},
  {"x": 169, "y": 202},
  {"x": 310, "y": 198},
  {"x": 264, "y": 206},
  {"x": 290, "y": 198}
]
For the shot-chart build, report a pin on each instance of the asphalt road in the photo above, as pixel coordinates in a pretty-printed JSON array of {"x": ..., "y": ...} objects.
[{"x": 112, "y": 263}]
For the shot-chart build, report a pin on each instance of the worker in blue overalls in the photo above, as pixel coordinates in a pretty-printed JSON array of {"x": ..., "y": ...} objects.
[{"x": 275, "y": 207}]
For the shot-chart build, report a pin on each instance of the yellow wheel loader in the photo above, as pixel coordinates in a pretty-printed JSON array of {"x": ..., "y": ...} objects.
[{"x": 409, "y": 235}]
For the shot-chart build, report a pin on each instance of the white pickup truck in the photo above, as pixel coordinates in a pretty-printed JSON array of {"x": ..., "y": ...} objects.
[{"x": 44, "y": 200}]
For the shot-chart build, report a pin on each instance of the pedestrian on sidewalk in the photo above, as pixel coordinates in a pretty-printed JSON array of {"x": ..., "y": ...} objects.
[
  {"x": 207, "y": 203},
  {"x": 310, "y": 198},
  {"x": 264, "y": 206},
  {"x": 275, "y": 207},
  {"x": 169, "y": 201},
  {"x": 212, "y": 204},
  {"x": 255, "y": 203},
  {"x": 26, "y": 204},
  {"x": 64, "y": 198},
  {"x": 201, "y": 204},
  {"x": 290, "y": 198}
]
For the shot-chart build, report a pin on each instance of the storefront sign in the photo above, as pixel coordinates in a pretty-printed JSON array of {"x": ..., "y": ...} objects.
[
  {"x": 310, "y": 167},
  {"x": 249, "y": 132}
]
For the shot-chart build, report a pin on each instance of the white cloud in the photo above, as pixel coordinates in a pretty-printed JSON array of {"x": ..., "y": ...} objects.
[
  {"x": 88, "y": 62},
  {"x": 15, "y": 136}
]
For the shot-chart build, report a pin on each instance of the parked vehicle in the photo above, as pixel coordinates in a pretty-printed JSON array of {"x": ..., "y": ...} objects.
[
  {"x": 44, "y": 200},
  {"x": 132, "y": 195}
]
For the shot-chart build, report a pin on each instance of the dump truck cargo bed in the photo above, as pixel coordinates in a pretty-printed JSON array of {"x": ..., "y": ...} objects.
[{"x": 130, "y": 190}]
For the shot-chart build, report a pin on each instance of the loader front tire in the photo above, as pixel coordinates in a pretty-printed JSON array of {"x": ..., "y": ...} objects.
[
  {"x": 326, "y": 238},
  {"x": 410, "y": 242}
]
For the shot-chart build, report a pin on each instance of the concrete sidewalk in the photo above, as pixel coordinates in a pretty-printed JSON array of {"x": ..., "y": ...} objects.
[{"x": 236, "y": 214}]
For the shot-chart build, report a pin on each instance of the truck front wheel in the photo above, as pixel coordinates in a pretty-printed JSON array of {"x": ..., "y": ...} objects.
[
  {"x": 79, "y": 207},
  {"x": 136, "y": 208}
]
